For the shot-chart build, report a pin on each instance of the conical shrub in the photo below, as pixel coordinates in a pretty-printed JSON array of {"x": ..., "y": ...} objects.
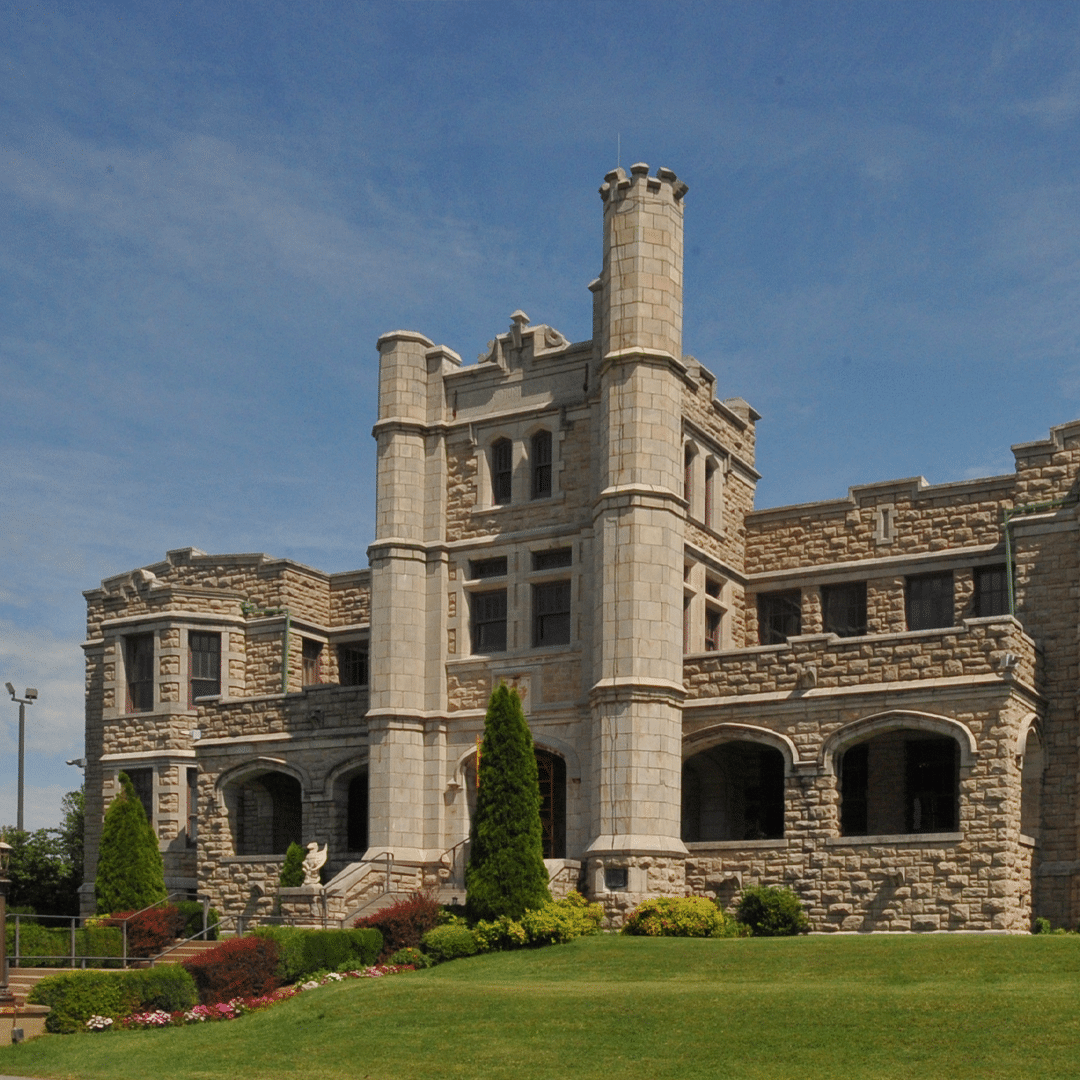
[
  {"x": 506, "y": 873},
  {"x": 130, "y": 871}
]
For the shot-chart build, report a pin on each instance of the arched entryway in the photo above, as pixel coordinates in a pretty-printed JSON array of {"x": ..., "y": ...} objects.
[
  {"x": 266, "y": 813},
  {"x": 733, "y": 791},
  {"x": 551, "y": 774}
]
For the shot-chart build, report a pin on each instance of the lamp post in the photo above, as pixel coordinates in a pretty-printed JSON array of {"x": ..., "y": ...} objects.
[
  {"x": 6, "y": 996},
  {"x": 31, "y": 697}
]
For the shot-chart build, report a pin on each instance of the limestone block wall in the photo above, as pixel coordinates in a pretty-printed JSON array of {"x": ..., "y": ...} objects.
[
  {"x": 921, "y": 518},
  {"x": 825, "y": 660},
  {"x": 350, "y": 598},
  {"x": 976, "y": 878}
]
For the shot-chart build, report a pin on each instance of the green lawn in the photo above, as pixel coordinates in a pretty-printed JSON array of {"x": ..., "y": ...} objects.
[{"x": 611, "y": 1008}]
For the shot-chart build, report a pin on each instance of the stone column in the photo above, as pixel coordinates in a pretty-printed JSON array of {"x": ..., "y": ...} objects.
[{"x": 636, "y": 698}]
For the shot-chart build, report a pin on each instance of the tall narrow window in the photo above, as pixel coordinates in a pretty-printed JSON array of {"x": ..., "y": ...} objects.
[
  {"x": 713, "y": 622},
  {"x": 929, "y": 601},
  {"x": 502, "y": 471},
  {"x": 541, "y": 465},
  {"x": 779, "y": 616},
  {"x": 710, "y": 494},
  {"x": 139, "y": 661},
  {"x": 489, "y": 621},
  {"x": 551, "y": 613},
  {"x": 204, "y": 662},
  {"x": 686, "y": 628},
  {"x": 312, "y": 654},
  {"x": 352, "y": 665},
  {"x": 688, "y": 478},
  {"x": 192, "y": 807},
  {"x": 991, "y": 591},
  {"x": 142, "y": 780}
]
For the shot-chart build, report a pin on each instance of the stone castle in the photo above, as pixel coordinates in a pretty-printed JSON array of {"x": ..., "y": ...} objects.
[{"x": 871, "y": 700}]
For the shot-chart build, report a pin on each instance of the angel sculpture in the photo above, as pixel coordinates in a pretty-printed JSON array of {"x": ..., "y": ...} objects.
[{"x": 314, "y": 861}]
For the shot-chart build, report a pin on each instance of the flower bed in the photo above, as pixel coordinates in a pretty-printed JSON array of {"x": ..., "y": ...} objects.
[{"x": 237, "y": 1007}]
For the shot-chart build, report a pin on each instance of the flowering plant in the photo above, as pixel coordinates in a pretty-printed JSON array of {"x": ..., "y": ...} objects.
[{"x": 99, "y": 1023}]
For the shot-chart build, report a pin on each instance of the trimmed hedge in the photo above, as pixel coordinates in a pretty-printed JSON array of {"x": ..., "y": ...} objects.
[
  {"x": 239, "y": 967},
  {"x": 78, "y": 995},
  {"x": 676, "y": 916},
  {"x": 772, "y": 912},
  {"x": 301, "y": 952},
  {"x": 404, "y": 922},
  {"x": 50, "y": 946},
  {"x": 447, "y": 943}
]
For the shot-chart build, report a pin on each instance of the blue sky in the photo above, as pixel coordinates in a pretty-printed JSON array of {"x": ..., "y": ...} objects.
[{"x": 209, "y": 212}]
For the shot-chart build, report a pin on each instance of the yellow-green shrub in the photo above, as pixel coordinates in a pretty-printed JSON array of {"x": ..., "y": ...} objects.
[{"x": 676, "y": 916}]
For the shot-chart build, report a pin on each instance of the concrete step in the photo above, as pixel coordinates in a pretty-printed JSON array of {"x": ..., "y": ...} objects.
[
  {"x": 22, "y": 980},
  {"x": 186, "y": 951}
]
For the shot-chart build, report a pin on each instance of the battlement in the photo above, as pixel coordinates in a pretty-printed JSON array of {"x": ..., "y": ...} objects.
[{"x": 617, "y": 184}]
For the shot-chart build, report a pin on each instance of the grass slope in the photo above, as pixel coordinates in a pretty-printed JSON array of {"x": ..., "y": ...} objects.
[{"x": 611, "y": 1007}]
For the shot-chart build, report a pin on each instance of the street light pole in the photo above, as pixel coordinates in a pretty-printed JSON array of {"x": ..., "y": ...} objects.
[{"x": 29, "y": 699}]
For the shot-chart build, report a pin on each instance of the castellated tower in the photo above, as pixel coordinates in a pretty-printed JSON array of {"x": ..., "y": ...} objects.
[
  {"x": 406, "y": 719},
  {"x": 639, "y": 519}
]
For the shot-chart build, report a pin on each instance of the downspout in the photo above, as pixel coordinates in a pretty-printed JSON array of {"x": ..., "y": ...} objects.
[
  {"x": 1020, "y": 511},
  {"x": 250, "y": 609}
]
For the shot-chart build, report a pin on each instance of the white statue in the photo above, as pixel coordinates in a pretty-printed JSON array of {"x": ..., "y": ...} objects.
[{"x": 314, "y": 861}]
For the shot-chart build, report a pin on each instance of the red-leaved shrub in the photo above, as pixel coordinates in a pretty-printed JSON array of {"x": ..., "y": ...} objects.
[
  {"x": 404, "y": 922},
  {"x": 149, "y": 932},
  {"x": 239, "y": 967}
]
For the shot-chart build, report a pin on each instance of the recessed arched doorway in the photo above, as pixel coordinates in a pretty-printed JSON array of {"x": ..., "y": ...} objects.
[{"x": 733, "y": 791}]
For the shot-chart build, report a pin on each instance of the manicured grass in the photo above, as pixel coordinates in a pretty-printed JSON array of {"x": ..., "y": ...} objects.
[{"x": 611, "y": 1007}]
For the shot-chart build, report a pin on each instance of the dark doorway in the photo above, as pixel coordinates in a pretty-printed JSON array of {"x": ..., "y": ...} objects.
[
  {"x": 551, "y": 772},
  {"x": 358, "y": 813}
]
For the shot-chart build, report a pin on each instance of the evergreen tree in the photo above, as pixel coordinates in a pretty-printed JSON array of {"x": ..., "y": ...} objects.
[
  {"x": 506, "y": 873},
  {"x": 292, "y": 869},
  {"x": 130, "y": 872}
]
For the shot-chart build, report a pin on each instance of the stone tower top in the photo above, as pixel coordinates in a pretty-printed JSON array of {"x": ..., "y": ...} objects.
[{"x": 640, "y": 293}]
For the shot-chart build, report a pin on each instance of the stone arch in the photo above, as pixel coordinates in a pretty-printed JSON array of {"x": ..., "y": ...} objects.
[
  {"x": 556, "y": 763},
  {"x": 704, "y": 738},
  {"x": 347, "y": 783},
  {"x": 264, "y": 804},
  {"x": 898, "y": 773},
  {"x": 894, "y": 720},
  {"x": 733, "y": 782},
  {"x": 1031, "y": 757}
]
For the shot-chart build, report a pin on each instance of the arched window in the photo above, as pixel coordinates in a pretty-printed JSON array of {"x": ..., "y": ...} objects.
[
  {"x": 502, "y": 471},
  {"x": 900, "y": 782},
  {"x": 266, "y": 812},
  {"x": 540, "y": 460},
  {"x": 1031, "y": 784},
  {"x": 734, "y": 791}
]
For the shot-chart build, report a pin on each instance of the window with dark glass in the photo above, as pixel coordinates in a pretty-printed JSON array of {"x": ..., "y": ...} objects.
[
  {"x": 710, "y": 494},
  {"x": 489, "y": 621},
  {"x": 312, "y": 657},
  {"x": 352, "y": 665},
  {"x": 142, "y": 780},
  {"x": 779, "y": 616},
  {"x": 204, "y": 659},
  {"x": 688, "y": 477},
  {"x": 713, "y": 622},
  {"x": 192, "y": 806},
  {"x": 551, "y": 613},
  {"x": 139, "y": 661},
  {"x": 502, "y": 471},
  {"x": 932, "y": 785},
  {"x": 541, "y": 465},
  {"x": 843, "y": 608},
  {"x": 929, "y": 601},
  {"x": 553, "y": 559},
  {"x": 991, "y": 591},
  {"x": 485, "y": 568},
  {"x": 687, "y": 630}
]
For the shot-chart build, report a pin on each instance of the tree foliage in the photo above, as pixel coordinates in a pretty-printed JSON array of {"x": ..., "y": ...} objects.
[
  {"x": 47, "y": 865},
  {"x": 292, "y": 869},
  {"x": 506, "y": 873},
  {"x": 130, "y": 873}
]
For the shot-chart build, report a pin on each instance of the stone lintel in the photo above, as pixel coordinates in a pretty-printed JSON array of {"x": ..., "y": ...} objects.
[{"x": 636, "y": 845}]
